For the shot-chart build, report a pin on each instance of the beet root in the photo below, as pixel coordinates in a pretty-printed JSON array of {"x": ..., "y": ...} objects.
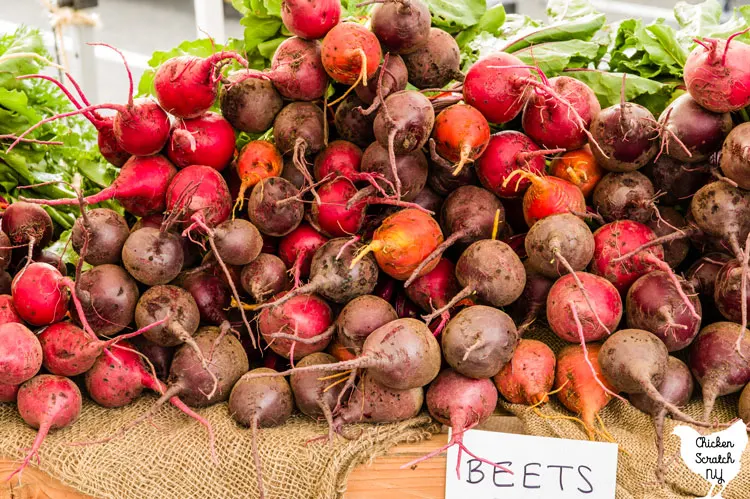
[{"x": 529, "y": 376}]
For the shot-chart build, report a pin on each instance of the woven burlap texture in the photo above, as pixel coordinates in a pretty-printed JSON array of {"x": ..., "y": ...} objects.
[
  {"x": 169, "y": 457},
  {"x": 635, "y": 435}
]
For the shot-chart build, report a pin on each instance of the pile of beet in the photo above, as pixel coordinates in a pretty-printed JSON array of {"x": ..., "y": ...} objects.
[{"x": 378, "y": 253}]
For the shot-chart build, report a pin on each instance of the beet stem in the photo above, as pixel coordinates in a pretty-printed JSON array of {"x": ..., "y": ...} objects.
[
  {"x": 89, "y": 116},
  {"x": 44, "y": 429},
  {"x": 127, "y": 68},
  {"x": 654, "y": 394},
  {"x": 179, "y": 404},
  {"x": 581, "y": 288},
  {"x": 464, "y": 293},
  {"x": 360, "y": 362},
  {"x": 307, "y": 341},
  {"x": 674, "y": 236},
  {"x": 435, "y": 254},
  {"x": 309, "y": 288},
  {"x": 664, "y": 267},
  {"x": 659, "y": 430},
  {"x": 396, "y": 202},
  {"x": 349, "y": 384},
  {"x": 392, "y": 159}
]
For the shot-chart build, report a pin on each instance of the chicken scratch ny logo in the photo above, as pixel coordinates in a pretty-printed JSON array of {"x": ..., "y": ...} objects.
[{"x": 716, "y": 456}]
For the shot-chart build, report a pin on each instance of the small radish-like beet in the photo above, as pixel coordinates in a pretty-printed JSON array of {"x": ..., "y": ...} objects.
[
  {"x": 299, "y": 130},
  {"x": 580, "y": 386},
  {"x": 297, "y": 70},
  {"x": 691, "y": 132},
  {"x": 529, "y": 375},
  {"x": 107, "y": 231},
  {"x": 298, "y": 327},
  {"x": 206, "y": 140},
  {"x": 28, "y": 225},
  {"x": 548, "y": 196},
  {"x": 677, "y": 180},
  {"x": 716, "y": 74},
  {"x": 403, "y": 241},
  {"x": 249, "y": 104},
  {"x": 412, "y": 170},
  {"x": 461, "y": 403},
  {"x": 331, "y": 214},
  {"x": 351, "y": 124},
  {"x": 653, "y": 304},
  {"x": 153, "y": 256},
  {"x": 8, "y": 310},
  {"x": 310, "y": 20},
  {"x": 258, "y": 160},
  {"x": 735, "y": 158},
  {"x": 20, "y": 354},
  {"x": 187, "y": 86},
  {"x": 401, "y": 27},
  {"x": 627, "y": 195},
  {"x": 199, "y": 193},
  {"x": 559, "y": 244},
  {"x": 269, "y": 210},
  {"x": 210, "y": 293},
  {"x": 627, "y": 137},
  {"x": 461, "y": 134},
  {"x": 351, "y": 53},
  {"x": 238, "y": 242},
  {"x": 436, "y": 63},
  {"x": 297, "y": 248},
  {"x": 339, "y": 159},
  {"x": 47, "y": 403},
  {"x": 492, "y": 86},
  {"x": 583, "y": 307},
  {"x": 373, "y": 402},
  {"x": 108, "y": 296},
  {"x": 377, "y": 89},
  {"x": 173, "y": 304},
  {"x": 264, "y": 277},
  {"x": 470, "y": 214},
  {"x": 40, "y": 298},
  {"x": 479, "y": 341},
  {"x": 359, "y": 318},
  {"x": 578, "y": 167},
  {"x": 141, "y": 187}
]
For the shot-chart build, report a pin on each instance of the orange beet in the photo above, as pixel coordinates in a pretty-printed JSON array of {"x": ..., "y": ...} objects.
[
  {"x": 578, "y": 167},
  {"x": 461, "y": 134},
  {"x": 346, "y": 49},
  {"x": 258, "y": 160},
  {"x": 529, "y": 376},
  {"x": 547, "y": 196}
]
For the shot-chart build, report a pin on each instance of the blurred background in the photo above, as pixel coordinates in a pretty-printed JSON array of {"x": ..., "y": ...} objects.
[{"x": 140, "y": 27}]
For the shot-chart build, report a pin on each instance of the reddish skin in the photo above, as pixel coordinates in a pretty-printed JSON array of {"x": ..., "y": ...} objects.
[
  {"x": 297, "y": 71},
  {"x": 310, "y": 19},
  {"x": 107, "y": 142},
  {"x": 700, "y": 130},
  {"x": 68, "y": 350},
  {"x": 8, "y": 311},
  {"x": 39, "y": 294},
  {"x": 550, "y": 124},
  {"x": 25, "y": 223},
  {"x": 461, "y": 134},
  {"x": 411, "y": 120},
  {"x": 211, "y": 294},
  {"x": 339, "y": 159},
  {"x": 624, "y": 153},
  {"x": 372, "y": 402},
  {"x": 142, "y": 128},
  {"x": 8, "y": 393},
  {"x": 435, "y": 288},
  {"x": 735, "y": 156},
  {"x": 212, "y": 142},
  {"x": 305, "y": 316},
  {"x": 717, "y": 76},
  {"x": 249, "y": 101},
  {"x": 403, "y": 240},
  {"x": 342, "y": 53},
  {"x": 210, "y": 198},
  {"x": 501, "y": 158},
  {"x": 677, "y": 180},
  {"x": 550, "y": 196},
  {"x": 496, "y": 93},
  {"x": 728, "y": 291},
  {"x": 401, "y": 27},
  {"x": 331, "y": 215},
  {"x": 351, "y": 124},
  {"x": 47, "y": 403},
  {"x": 580, "y": 392},
  {"x": 676, "y": 251},
  {"x": 721, "y": 210},
  {"x": 297, "y": 248},
  {"x": 20, "y": 354},
  {"x": 187, "y": 86},
  {"x": 616, "y": 239},
  {"x": 626, "y": 195},
  {"x": 578, "y": 167},
  {"x": 653, "y": 304},
  {"x": 152, "y": 256},
  {"x": 259, "y": 159},
  {"x": 530, "y": 374},
  {"x": 565, "y": 294},
  {"x": 532, "y": 303},
  {"x": 6, "y": 252}
]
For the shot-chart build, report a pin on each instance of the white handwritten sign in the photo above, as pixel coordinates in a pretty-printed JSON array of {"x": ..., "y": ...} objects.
[{"x": 542, "y": 468}]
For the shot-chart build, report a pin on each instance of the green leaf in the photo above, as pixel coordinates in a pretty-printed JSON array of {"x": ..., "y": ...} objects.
[
  {"x": 490, "y": 22},
  {"x": 581, "y": 28},
  {"x": 554, "y": 57},
  {"x": 704, "y": 20},
  {"x": 650, "y": 51},
  {"x": 456, "y": 15},
  {"x": 258, "y": 30},
  {"x": 559, "y": 10},
  {"x": 23, "y": 41},
  {"x": 268, "y": 48}
]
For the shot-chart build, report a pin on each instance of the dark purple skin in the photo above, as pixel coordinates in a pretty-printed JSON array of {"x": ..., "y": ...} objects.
[
  {"x": 717, "y": 364},
  {"x": 678, "y": 180},
  {"x": 493, "y": 270},
  {"x": 703, "y": 273},
  {"x": 5, "y": 251},
  {"x": 299, "y": 127},
  {"x": 268, "y": 401},
  {"x": 359, "y": 318},
  {"x": 311, "y": 393},
  {"x": 436, "y": 63},
  {"x": 291, "y": 173},
  {"x": 533, "y": 301},
  {"x": 152, "y": 256},
  {"x": 228, "y": 363},
  {"x": 677, "y": 387},
  {"x": 24, "y": 222},
  {"x": 675, "y": 252},
  {"x": 429, "y": 200},
  {"x": 412, "y": 169},
  {"x": 159, "y": 356},
  {"x": 269, "y": 217},
  {"x": 108, "y": 232},
  {"x": 494, "y": 334},
  {"x": 722, "y": 212},
  {"x": 264, "y": 277},
  {"x": 468, "y": 214},
  {"x": 612, "y": 125},
  {"x": 372, "y": 402},
  {"x": 249, "y": 103},
  {"x": 728, "y": 291},
  {"x": 47, "y": 256},
  {"x": 735, "y": 155},
  {"x": 211, "y": 294},
  {"x": 394, "y": 80},
  {"x": 297, "y": 70},
  {"x": 564, "y": 235},
  {"x": 238, "y": 242},
  {"x": 402, "y": 27},
  {"x": 701, "y": 131},
  {"x": 653, "y": 304},
  {"x": 411, "y": 120},
  {"x": 624, "y": 196},
  {"x": 351, "y": 124},
  {"x": 160, "y": 302},
  {"x": 108, "y": 296},
  {"x": 5, "y": 282},
  {"x": 190, "y": 251},
  {"x": 442, "y": 180}
]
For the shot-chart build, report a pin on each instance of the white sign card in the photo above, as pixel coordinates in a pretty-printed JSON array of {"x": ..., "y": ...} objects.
[{"x": 542, "y": 468}]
